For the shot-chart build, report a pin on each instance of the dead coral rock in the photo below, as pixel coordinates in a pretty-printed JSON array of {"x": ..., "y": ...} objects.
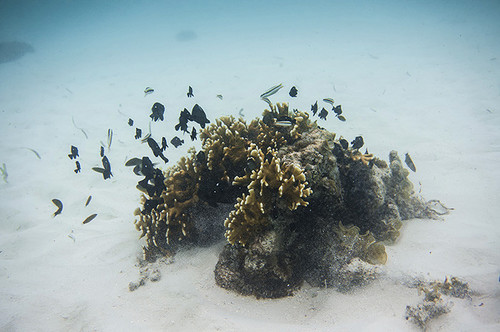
[
  {"x": 260, "y": 269},
  {"x": 149, "y": 272},
  {"x": 355, "y": 274},
  {"x": 433, "y": 304},
  {"x": 423, "y": 313}
]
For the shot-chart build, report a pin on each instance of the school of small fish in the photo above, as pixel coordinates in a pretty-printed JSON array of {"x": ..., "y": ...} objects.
[{"x": 153, "y": 177}]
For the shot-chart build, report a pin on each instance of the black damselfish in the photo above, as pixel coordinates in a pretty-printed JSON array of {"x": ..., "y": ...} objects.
[
  {"x": 190, "y": 92},
  {"x": 293, "y": 92},
  {"x": 410, "y": 163},
  {"x": 156, "y": 149},
  {"x": 193, "y": 134},
  {"x": 107, "y": 168},
  {"x": 164, "y": 145},
  {"x": 176, "y": 141},
  {"x": 357, "y": 143},
  {"x": 314, "y": 108},
  {"x": 138, "y": 133},
  {"x": 184, "y": 117},
  {"x": 157, "y": 112},
  {"x": 154, "y": 181},
  {"x": 74, "y": 152},
  {"x": 78, "y": 167},
  {"x": 323, "y": 114},
  {"x": 198, "y": 115}
]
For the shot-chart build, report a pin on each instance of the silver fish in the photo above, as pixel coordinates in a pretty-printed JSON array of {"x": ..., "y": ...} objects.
[
  {"x": 220, "y": 97},
  {"x": 410, "y": 163},
  {"x": 88, "y": 200},
  {"x": 36, "y": 153},
  {"x": 145, "y": 139},
  {"x": 110, "y": 137},
  {"x": 59, "y": 205},
  {"x": 90, "y": 218},
  {"x": 267, "y": 101},
  {"x": 3, "y": 170},
  {"x": 271, "y": 91}
]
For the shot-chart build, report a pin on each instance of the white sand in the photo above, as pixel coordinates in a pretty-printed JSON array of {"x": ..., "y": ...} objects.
[{"x": 423, "y": 79}]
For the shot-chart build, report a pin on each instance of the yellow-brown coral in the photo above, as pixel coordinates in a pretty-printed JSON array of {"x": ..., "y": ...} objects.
[
  {"x": 365, "y": 158},
  {"x": 365, "y": 246},
  {"x": 270, "y": 183}
]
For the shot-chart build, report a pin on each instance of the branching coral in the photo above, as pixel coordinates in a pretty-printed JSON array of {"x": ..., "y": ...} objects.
[
  {"x": 271, "y": 183},
  {"x": 257, "y": 181}
]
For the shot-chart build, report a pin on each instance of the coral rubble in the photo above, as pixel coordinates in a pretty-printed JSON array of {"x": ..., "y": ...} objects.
[
  {"x": 433, "y": 304},
  {"x": 294, "y": 203}
]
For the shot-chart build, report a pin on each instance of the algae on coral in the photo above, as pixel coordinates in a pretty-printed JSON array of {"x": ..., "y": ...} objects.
[{"x": 294, "y": 203}]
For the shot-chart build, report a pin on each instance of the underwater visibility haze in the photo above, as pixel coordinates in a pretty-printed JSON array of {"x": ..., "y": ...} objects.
[{"x": 251, "y": 165}]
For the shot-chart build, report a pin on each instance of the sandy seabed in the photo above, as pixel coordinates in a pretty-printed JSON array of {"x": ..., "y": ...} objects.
[{"x": 437, "y": 98}]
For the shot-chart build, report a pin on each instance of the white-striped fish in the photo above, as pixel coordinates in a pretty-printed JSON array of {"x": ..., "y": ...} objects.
[
  {"x": 267, "y": 101},
  {"x": 328, "y": 100},
  {"x": 271, "y": 91},
  {"x": 148, "y": 91}
]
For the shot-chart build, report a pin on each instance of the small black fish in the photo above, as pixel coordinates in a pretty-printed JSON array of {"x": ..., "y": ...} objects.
[
  {"x": 176, "y": 141},
  {"x": 344, "y": 143},
  {"x": 78, "y": 168},
  {"x": 156, "y": 149},
  {"x": 293, "y": 92},
  {"x": 88, "y": 200},
  {"x": 59, "y": 205},
  {"x": 198, "y": 115},
  {"x": 190, "y": 92},
  {"x": 193, "y": 134},
  {"x": 90, "y": 218},
  {"x": 184, "y": 117},
  {"x": 157, "y": 112},
  {"x": 357, "y": 143},
  {"x": 323, "y": 114},
  {"x": 74, "y": 152},
  {"x": 164, "y": 145},
  {"x": 314, "y": 108},
  {"x": 138, "y": 170},
  {"x": 337, "y": 109},
  {"x": 107, "y": 168},
  {"x": 102, "y": 151},
  {"x": 251, "y": 165},
  {"x": 410, "y": 163},
  {"x": 200, "y": 157},
  {"x": 133, "y": 162},
  {"x": 147, "y": 167},
  {"x": 130, "y": 122},
  {"x": 138, "y": 133}
]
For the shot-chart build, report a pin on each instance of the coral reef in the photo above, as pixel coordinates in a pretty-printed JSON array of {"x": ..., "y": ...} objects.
[{"x": 294, "y": 203}]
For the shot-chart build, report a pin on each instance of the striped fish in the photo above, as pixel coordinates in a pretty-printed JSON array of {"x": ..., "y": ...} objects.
[
  {"x": 328, "y": 100},
  {"x": 267, "y": 101},
  {"x": 271, "y": 91}
]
